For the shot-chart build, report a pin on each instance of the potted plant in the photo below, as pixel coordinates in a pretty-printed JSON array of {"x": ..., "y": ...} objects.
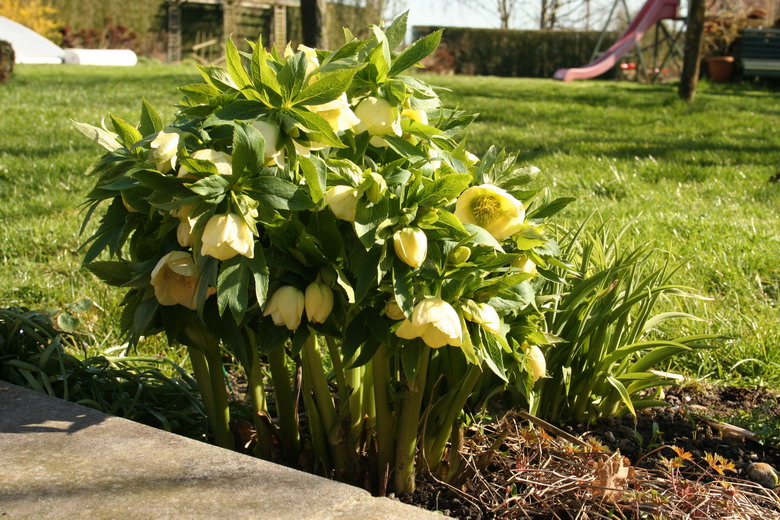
[{"x": 722, "y": 29}]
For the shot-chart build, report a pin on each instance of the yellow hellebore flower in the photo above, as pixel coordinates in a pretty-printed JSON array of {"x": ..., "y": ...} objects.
[
  {"x": 393, "y": 311},
  {"x": 415, "y": 115},
  {"x": 221, "y": 160},
  {"x": 377, "y": 117},
  {"x": 286, "y": 307},
  {"x": 524, "y": 264},
  {"x": 435, "y": 321},
  {"x": 184, "y": 234},
  {"x": 318, "y": 302},
  {"x": 492, "y": 208},
  {"x": 226, "y": 236},
  {"x": 536, "y": 362},
  {"x": 163, "y": 150},
  {"x": 271, "y": 153},
  {"x": 337, "y": 113},
  {"x": 311, "y": 58},
  {"x": 411, "y": 246},
  {"x": 484, "y": 315},
  {"x": 174, "y": 279},
  {"x": 342, "y": 201}
]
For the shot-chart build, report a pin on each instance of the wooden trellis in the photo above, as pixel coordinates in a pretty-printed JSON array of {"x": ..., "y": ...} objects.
[{"x": 229, "y": 20}]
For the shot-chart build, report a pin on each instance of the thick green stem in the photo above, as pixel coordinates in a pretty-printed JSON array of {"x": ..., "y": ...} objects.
[
  {"x": 385, "y": 426},
  {"x": 265, "y": 436},
  {"x": 354, "y": 377},
  {"x": 408, "y": 426},
  {"x": 201, "y": 370},
  {"x": 369, "y": 403},
  {"x": 312, "y": 366},
  {"x": 222, "y": 431},
  {"x": 442, "y": 431},
  {"x": 319, "y": 440},
  {"x": 338, "y": 368},
  {"x": 285, "y": 404}
]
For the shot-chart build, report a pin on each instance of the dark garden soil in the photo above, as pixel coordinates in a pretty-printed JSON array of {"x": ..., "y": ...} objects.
[{"x": 615, "y": 469}]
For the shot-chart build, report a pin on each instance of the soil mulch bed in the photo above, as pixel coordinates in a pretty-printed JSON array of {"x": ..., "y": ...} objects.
[{"x": 614, "y": 469}]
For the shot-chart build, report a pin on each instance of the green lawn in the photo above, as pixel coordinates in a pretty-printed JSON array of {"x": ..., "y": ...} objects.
[{"x": 696, "y": 178}]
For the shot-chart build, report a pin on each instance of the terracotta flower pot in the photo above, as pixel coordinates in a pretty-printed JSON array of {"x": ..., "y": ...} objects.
[{"x": 720, "y": 68}]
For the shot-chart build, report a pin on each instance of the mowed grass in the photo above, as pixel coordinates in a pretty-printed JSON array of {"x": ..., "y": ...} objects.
[{"x": 694, "y": 177}]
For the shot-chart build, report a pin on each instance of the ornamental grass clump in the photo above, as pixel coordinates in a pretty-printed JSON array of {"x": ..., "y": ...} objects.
[{"x": 318, "y": 216}]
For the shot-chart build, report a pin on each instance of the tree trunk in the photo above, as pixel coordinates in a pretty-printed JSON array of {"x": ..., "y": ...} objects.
[
  {"x": 314, "y": 23},
  {"x": 692, "y": 59}
]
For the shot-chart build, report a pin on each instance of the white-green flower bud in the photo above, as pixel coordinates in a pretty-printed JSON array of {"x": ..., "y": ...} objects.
[
  {"x": 459, "y": 255},
  {"x": 226, "y": 236},
  {"x": 318, "y": 302},
  {"x": 286, "y": 307},
  {"x": 342, "y": 201},
  {"x": 375, "y": 187},
  {"x": 411, "y": 246}
]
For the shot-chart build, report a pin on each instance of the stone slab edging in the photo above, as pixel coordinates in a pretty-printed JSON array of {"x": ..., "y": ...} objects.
[{"x": 60, "y": 460}]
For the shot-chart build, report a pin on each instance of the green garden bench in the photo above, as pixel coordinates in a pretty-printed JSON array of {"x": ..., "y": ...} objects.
[{"x": 760, "y": 54}]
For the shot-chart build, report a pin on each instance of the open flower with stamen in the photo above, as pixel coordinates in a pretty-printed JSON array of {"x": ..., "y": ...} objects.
[
  {"x": 491, "y": 208},
  {"x": 435, "y": 321},
  {"x": 175, "y": 278}
]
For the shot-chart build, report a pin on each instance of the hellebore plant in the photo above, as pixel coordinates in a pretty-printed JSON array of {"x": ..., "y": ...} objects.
[{"x": 316, "y": 215}]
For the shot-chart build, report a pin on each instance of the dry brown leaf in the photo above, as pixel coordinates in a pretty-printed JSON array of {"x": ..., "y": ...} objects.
[{"x": 612, "y": 476}]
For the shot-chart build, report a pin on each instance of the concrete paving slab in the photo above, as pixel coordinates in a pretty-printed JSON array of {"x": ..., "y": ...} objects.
[{"x": 61, "y": 460}]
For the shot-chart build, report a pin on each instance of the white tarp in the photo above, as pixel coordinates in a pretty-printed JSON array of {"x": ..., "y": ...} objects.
[
  {"x": 29, "y": 46},
  {"x": 121, "y": 57}
]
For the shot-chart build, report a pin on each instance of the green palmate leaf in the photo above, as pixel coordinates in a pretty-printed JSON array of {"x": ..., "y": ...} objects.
[
  {"x": 378, "y": 65},
  {"x": 112, "y": 273},
  {"x": 263, "y": 76},
  {"x": 233, "y": 287},
  {"x": 443, "y": 190},
  {"x": 368, "y": 217},
  {"x": 292, "y": 75},
  {"x": 319, "y": 127},
  {"x": 530, "y": 237},
  {"x": 248, "y": 149},
  {"x": 200, "y": 93},
  {"x": 513, "y": 299},
  {"x": 218, "y": 77},
  {"x": 278, "y": 193},
  {"x": 327, "y": 88},
  {"x": 480, "y": 236},
  {"x": 212, "y": 188},
  {"x": 259, "y": 269},
  {"x": 315, "y": 173},
  {"x": 234, "y": 66},
  {"x": 199, "y": 165},
  {"x": 551, "y": 208},
  {"x": 416, "y": 52},
  {"x": 396, "y": 32},
  {"x": 242, "y": 109},
  {"x": 356, "y": 333},
  {"x": 151, "y": 121},
  {"x": 403, "y": 286},
  {"x": 403, "y": 147},
  {"x": 365, "y": 268},
  {"x": 128, "y": 134},
  {"x": 448, "y": 226},
  {"x": 102, "y": 137},
  {"x": 466, "y": 344},
  {"x": 493, "y": 354}
]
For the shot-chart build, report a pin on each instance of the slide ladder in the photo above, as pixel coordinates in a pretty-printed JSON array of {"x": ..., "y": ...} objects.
[{"x": 652, "y": 12}]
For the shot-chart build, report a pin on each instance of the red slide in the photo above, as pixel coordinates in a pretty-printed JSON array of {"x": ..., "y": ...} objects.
[{"x": 651, "y": 12}]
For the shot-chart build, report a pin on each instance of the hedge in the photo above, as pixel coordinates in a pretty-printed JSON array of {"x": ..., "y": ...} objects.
[{"x": 494, "y": 52}]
